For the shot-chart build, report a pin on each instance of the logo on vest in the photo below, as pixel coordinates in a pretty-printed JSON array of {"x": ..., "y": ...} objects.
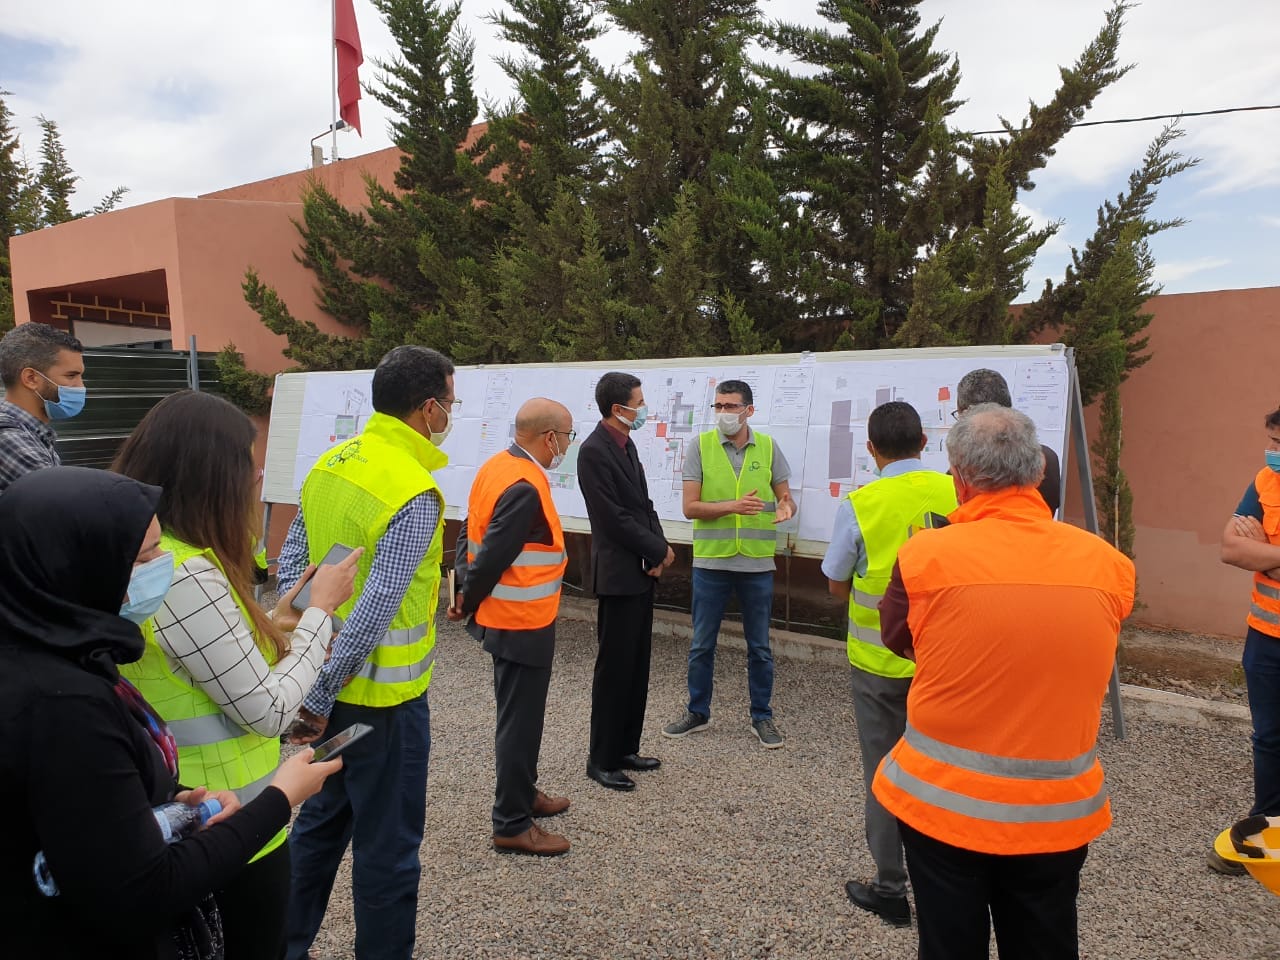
[
  {"x": 755, "y": 464},
  {"x": 350, "y": 451}
]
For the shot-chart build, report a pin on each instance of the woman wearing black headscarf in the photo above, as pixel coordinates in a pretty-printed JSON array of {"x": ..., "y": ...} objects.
[{"x": 83, "y": 759}]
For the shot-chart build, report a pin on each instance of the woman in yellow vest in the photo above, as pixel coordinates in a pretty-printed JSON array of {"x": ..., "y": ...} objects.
[{"x": 227, "y": 676}]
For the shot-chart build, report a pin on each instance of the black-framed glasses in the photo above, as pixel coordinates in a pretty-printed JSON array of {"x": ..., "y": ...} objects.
[
  {"x": 571, "y": 434},
  {"x": 728, "y": 407},
  {"x": 955, "y": 414}
]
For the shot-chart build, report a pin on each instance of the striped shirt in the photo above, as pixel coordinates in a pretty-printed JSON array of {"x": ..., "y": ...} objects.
[
  {"x": 396, "y": 557},
  {"x": 26, "y": 444}
]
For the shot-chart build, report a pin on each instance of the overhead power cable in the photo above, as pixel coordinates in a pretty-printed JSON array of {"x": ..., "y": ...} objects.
[{"x": 1156, "y": 116}]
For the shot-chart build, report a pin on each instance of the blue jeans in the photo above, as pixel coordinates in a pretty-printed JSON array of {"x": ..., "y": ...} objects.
[
  {"x": 1262, "y": 677},
  {"x": 711, "y": 592},
  {"x": 377, "y": 802}
]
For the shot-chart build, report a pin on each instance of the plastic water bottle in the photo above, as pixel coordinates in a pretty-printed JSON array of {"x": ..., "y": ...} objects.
[{"x": 176, "y": 821}]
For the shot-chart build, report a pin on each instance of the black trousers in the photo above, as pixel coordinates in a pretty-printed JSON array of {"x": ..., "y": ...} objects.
[
  {"x": 960, "y": 894},
  {"x": 253, "y": 907},
  {"x": 521, "y": 695},
  {"x": 620, "y": 690}
]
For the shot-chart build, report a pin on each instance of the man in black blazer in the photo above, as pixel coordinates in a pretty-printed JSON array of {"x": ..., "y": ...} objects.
[{"x": 628, "y": 554}]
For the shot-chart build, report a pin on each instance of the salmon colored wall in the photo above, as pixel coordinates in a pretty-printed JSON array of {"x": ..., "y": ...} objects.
[
  {"x": 217, "y": 241},
  {"x": 1193, "y": 440},
  {"x": 133, "y": 240}
]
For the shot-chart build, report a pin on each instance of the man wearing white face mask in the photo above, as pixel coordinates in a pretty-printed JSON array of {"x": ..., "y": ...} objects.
[
  {"x": 735, "y": 492},
  {"x": 42, "y": 369},
  {"x": 510, "y": 561},
  {"x": 628, "y": 554},
  {"x": 375, "y": 491}
]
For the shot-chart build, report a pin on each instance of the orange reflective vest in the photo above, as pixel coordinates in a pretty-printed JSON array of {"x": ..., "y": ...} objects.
[
  {"x": 1264, "y": 611},
  {"x": 527, "y": 595},
  {"x": 1014, "y": 620}
]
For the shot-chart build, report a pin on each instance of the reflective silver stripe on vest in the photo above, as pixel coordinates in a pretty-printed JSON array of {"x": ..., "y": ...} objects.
[
  {"x": 527, "y": 558},
  {"x": 1266, "y": 616},
  {"x": 406, "y": 674},
  {"x": 538, "y": 591},
  {"x": 539, "y": 558},
  {"x": 991, "y": 810},
  {"x": 997, "y": 766},
  {"x": 866, "y": 634},
  {"x": 201, "y": 731},
  {"x": 249, "y": 791},
  {"x": 1268, "y": 591},
  {"x": 402, "y": 638},
  {"x": 733, "y": 533},
  {"x": 871, "y": 600}
]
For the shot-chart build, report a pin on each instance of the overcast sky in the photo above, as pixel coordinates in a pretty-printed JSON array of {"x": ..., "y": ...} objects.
[{"x": 178, "y": 99}]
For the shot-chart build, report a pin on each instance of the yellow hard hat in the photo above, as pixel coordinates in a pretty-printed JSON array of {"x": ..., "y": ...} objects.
[{"x": 1254, "y": 843}]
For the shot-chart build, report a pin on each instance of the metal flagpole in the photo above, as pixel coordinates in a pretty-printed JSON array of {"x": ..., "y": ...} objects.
[{"x": 333, "y": 69}]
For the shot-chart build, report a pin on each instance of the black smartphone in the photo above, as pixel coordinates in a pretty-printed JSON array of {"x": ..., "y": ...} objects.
[
  {"x": 335, "y": 745},
  {"x": 337, "y": 553}
]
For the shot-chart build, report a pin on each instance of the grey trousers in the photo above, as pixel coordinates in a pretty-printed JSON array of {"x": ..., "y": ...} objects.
[{"x": 880, "y": 711}]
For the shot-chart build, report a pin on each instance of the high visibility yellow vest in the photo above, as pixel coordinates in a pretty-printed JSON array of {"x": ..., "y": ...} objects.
[
  {"x": 728, "y": 536},
  {"x": 888, "y": 511},
  {"x": 349, "y": 497},
  {"x": 213, "y": 750},
  {"x": 527, "y": 595}
]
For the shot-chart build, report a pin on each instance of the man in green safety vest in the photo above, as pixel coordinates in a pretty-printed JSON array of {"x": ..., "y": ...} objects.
[
  {"x": 736, "y": 493},
  {"x": 871, "y": 524},
  {"x": 376, "y": 491}
]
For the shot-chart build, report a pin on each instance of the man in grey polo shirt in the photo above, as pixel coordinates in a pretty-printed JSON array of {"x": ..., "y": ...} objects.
[{"x": 735, "y": 492}]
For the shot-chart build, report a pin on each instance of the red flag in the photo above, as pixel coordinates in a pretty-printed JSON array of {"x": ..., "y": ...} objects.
[{"x": 346, "y": 38}]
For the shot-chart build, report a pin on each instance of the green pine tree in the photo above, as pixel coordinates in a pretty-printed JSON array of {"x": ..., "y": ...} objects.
[{"x": 858, "y": 129}]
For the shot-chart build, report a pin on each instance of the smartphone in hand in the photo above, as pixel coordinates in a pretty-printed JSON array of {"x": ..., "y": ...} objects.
[
  {"x": 337, "y": 553},
  {"x": 336, "y": 744}
]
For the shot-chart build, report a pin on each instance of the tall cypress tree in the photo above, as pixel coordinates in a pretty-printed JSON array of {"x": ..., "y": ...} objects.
[
  {"x": 683, "y": 122},
  {"x": 858, "y": 130}
]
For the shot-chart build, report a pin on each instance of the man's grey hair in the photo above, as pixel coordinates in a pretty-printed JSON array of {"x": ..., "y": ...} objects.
[
  {"x": 993, "y": 448},
  {"x": 982, "y": 386},
  {"x": 34, "y": 345}
]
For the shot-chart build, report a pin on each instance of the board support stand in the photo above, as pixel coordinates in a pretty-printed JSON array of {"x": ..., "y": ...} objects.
[{"x": 1080, "y": 446}]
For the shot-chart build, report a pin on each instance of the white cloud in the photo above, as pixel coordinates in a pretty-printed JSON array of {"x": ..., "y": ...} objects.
[{"x": 1169, "y": 272}]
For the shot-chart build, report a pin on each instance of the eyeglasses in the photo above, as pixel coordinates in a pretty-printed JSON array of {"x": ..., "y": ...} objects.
[
  {"x": 728, "y": 407},
  {"x": 955, "y": 414},
  {"x": 571, "y": 434},
  {"x": 455, "y": 403}
]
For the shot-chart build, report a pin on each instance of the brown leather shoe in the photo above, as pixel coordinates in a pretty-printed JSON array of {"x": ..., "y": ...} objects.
[
  {"x": 535, "y": 841},
  {"x": 544, "y": 806}
]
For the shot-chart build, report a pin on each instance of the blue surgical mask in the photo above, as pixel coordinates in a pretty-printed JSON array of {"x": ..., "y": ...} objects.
[
  {"x": 69, "y": 403},
  {"x": 147, "y": 588},
  {"x": 1273, "y": 460},
  {"x": 642, "y": 414}
]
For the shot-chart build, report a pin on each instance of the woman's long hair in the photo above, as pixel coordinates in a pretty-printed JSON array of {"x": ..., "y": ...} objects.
[{"x": 199, "y": 449}]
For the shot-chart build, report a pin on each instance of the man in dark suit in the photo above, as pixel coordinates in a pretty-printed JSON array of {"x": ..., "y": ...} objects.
[
  {"x": 628, "y": 554},
  {"x": 510, "y": 561}
]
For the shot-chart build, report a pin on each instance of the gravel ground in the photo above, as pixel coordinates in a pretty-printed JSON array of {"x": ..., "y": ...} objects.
[{"x": 732, "y": 851}]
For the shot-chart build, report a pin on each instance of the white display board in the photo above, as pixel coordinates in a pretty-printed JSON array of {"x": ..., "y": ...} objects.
[{"x": 814, "y": 405}]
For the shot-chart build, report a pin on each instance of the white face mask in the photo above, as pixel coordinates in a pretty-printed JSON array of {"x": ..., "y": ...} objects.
[
  {"x": 438, "y": 437},
  {"x": 729, "y": 423},
  {"x": 557, "y": 458}
]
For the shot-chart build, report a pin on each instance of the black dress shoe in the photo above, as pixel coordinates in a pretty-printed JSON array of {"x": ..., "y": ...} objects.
[
  {"x": 894, "y": 911},
  {"x": 633, "y": 761},
  {"x": 613, "y": 779}
]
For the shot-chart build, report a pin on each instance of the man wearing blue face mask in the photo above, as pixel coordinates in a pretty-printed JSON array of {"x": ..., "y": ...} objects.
[
  {"x": 1251, "y": 541},
  {"x": 42, "y": 369}
]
